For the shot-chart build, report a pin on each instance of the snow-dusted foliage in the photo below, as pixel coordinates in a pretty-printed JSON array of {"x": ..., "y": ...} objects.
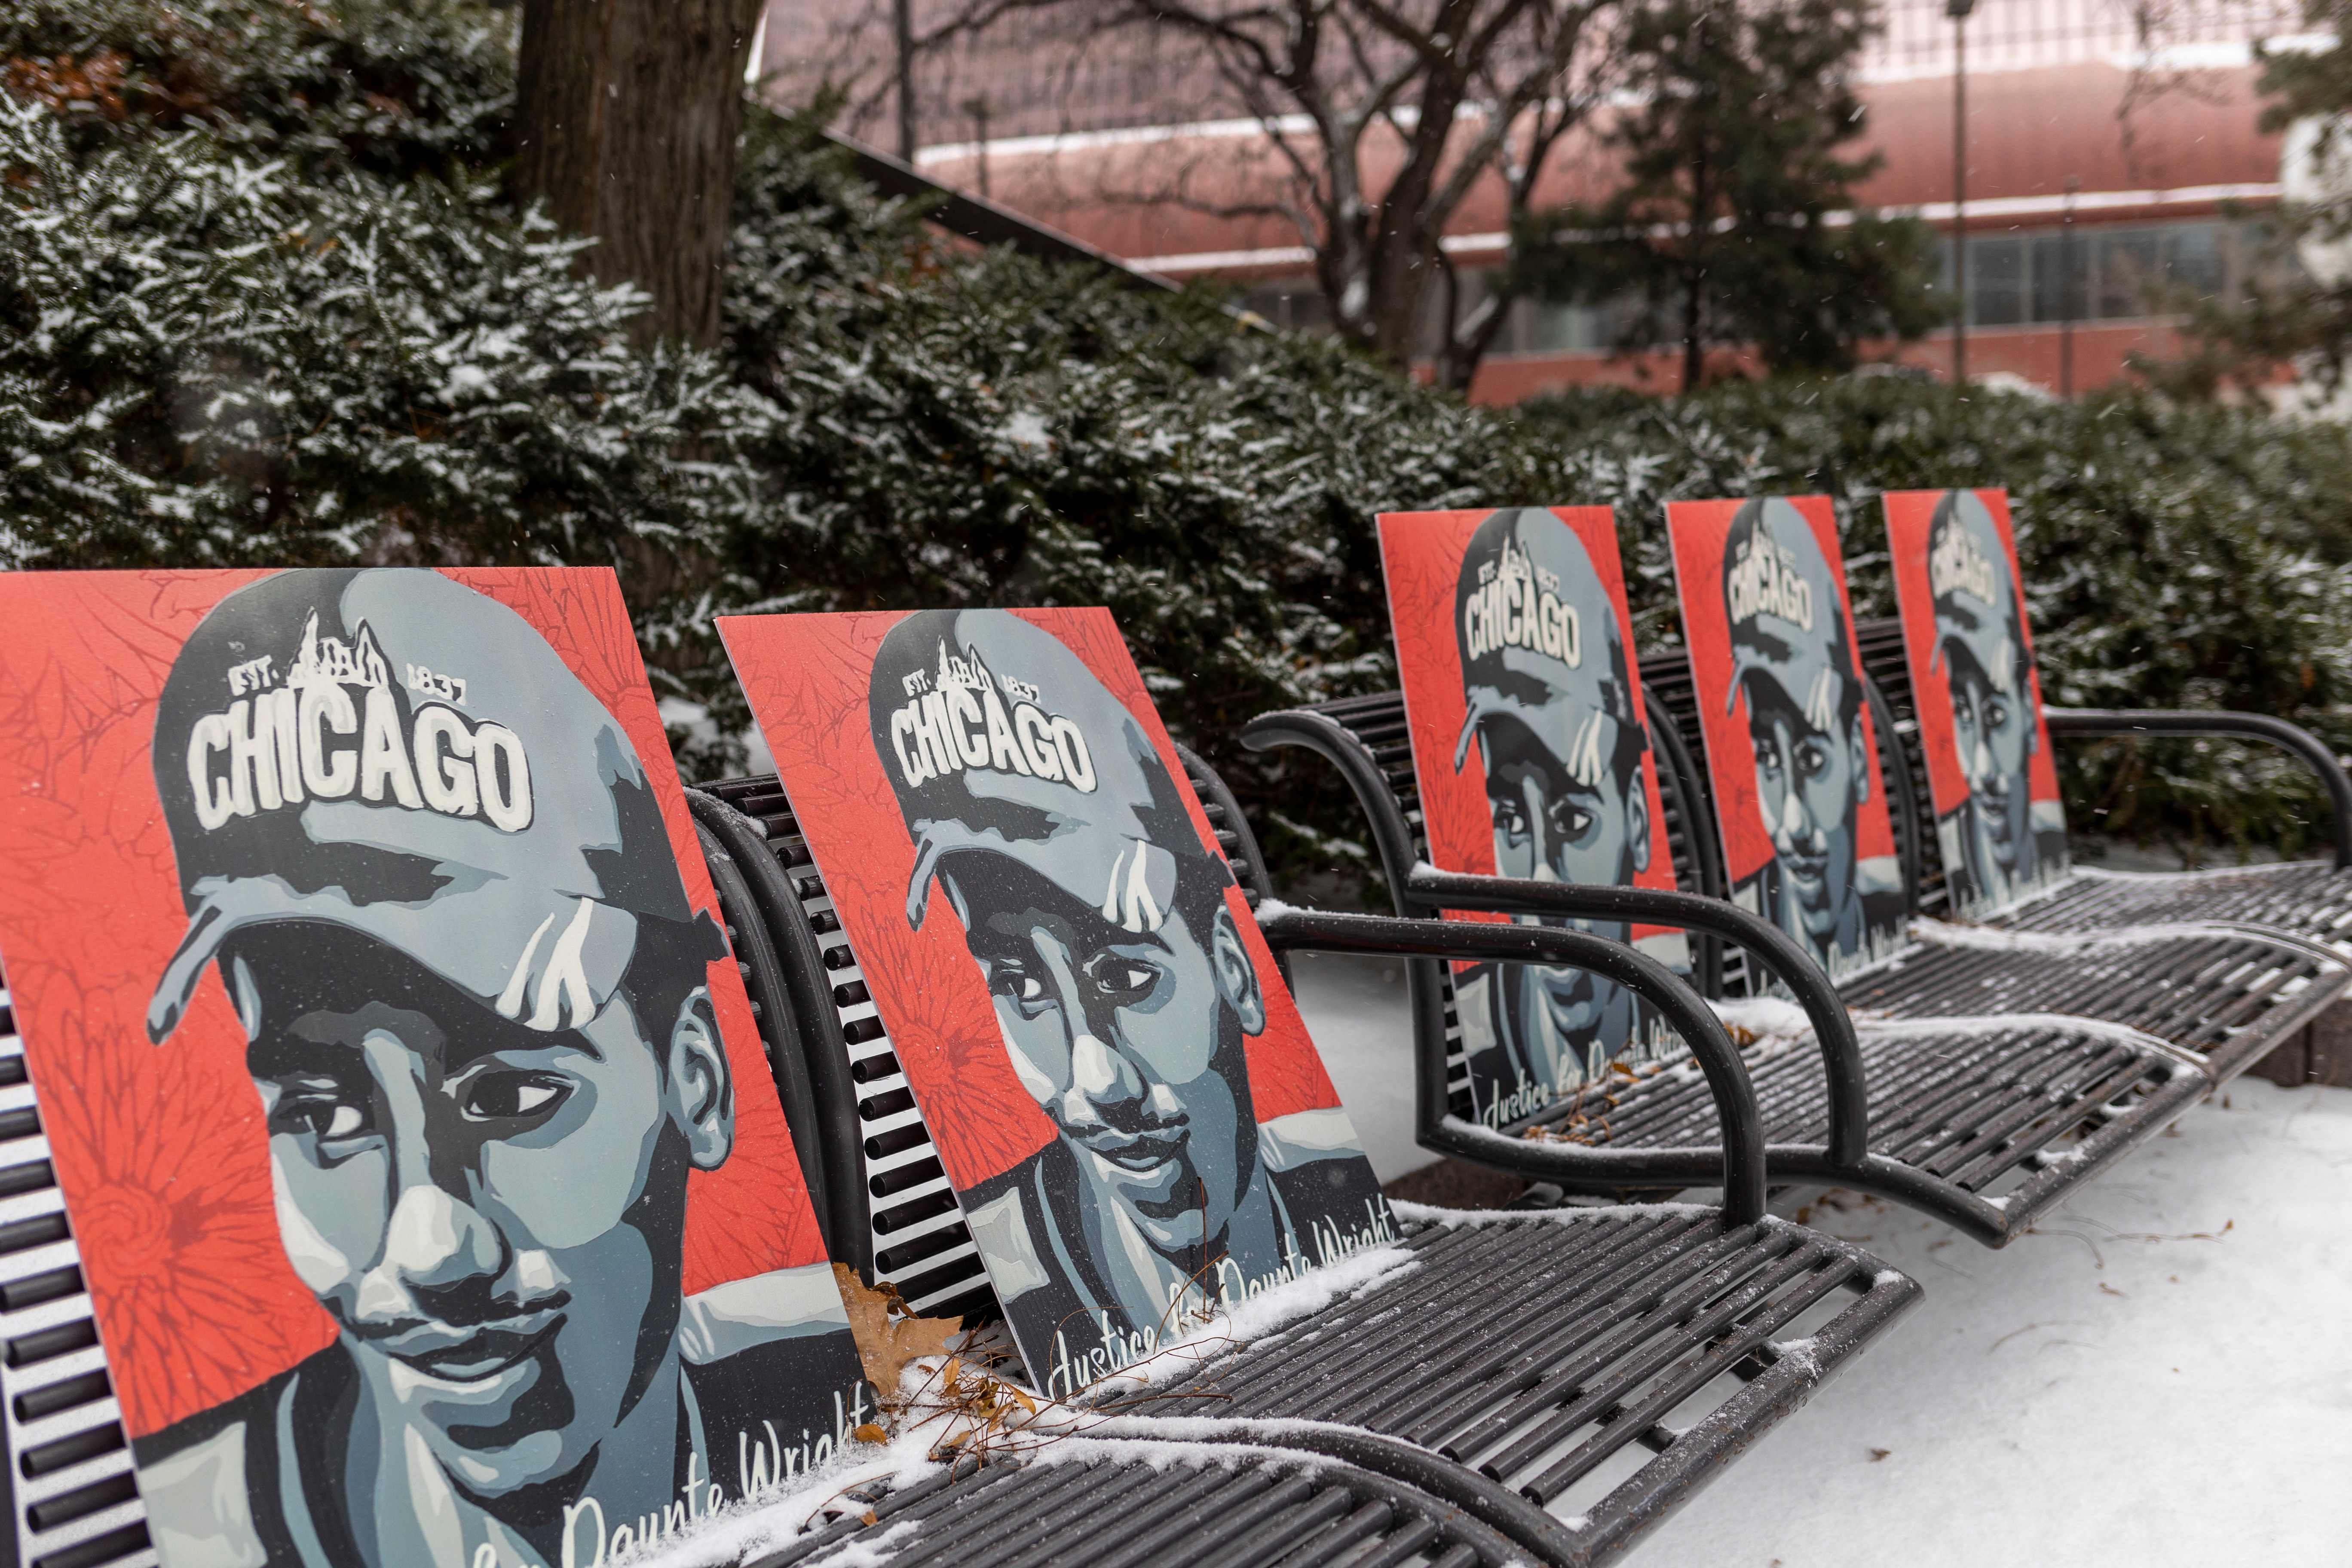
[
  {"x": 263, "y": 302},
  {"x": 392, "y": 86},
  {"x": 2176, "y": 555},
  {"x": 204, "y": 360}
]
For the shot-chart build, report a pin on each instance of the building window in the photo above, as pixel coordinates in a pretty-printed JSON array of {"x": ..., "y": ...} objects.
[
  {"x": 2040, "y": 277},
  {"x": 2119, "y": 273},
  {"x": 1997, "y": 295}
]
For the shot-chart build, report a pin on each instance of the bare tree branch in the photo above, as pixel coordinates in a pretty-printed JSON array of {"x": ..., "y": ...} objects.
[{"x": 1375, "y": 122}]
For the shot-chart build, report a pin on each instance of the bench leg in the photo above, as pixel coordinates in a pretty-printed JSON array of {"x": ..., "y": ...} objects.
[{"x": 2321, "y": 1052}]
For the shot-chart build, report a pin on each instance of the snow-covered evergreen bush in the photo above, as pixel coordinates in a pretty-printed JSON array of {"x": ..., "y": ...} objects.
[
  {"x": 262, "y": 302},
  {"x": 2176, "y": 555},
  {"x": 396, "y": 87},
  {"x": 208, "y": 362}
]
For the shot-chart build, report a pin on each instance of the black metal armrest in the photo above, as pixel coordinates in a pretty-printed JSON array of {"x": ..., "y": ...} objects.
[
  {"x": 2245, "y": 726},
  {"x": 1329, "y": 739},
  {"x": 1420, "y": 891},
  {"x": 1293, "y": 930},
  {"x": 823, "y": 1065},
  {"x": 1849, "y": 1091}
]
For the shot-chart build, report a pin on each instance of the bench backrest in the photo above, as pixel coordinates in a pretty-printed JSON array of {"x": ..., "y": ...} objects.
[
  {"x": 1999, "y": 824},
  {"x": 1789, "y": 744},
  {"x": 396, "y": 1079},
  {"x": 1069, "y": 995}
]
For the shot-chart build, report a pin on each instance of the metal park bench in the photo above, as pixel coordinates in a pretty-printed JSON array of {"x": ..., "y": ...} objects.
[
  {"x": 2308, "y": 899},
  {"x": 70, "y": 1501},
  {"x": 1568, "y": 1377},
  {"x": 70, "y": 1498},
  {"x": 1227, "y": 1494},
  {"x": 68, "y": 1490},
  {"x": 2222, "y": 990},
  {"x": 1979, "y": 1119}
]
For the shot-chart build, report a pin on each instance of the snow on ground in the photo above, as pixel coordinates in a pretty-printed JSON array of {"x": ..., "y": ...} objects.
[
  {"x": 2160, "y": 1374},
  {"x": 1355, "y": 1010}
]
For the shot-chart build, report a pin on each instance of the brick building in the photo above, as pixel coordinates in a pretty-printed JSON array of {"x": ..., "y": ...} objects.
[{"x": 2122, "y": 153}]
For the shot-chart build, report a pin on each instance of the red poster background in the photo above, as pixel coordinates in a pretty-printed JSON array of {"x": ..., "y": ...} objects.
[
  {"x": 162, "y": 1152},
  {"x": 1698, "y": 530},
  {"x": 1421, "y": 555},
  {"x": 806, "y": 677},
  {"x": 1908, "y": 515}
]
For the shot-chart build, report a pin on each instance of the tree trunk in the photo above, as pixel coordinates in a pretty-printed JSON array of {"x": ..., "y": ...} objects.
[
  {"x": 1694, "y": 352},
  {"x": 625, "y": 116}
]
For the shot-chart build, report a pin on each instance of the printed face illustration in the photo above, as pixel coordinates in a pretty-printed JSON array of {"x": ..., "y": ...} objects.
[
  {"x": 1548, "y": 699},
  {"x": 1130, "y": 1041},
  {"x": 1552, "y": 827},
  {"x": 1994, "y": 729},
  {"x": 480, "y": 1038},
  {"x": 1794, "y": 670},
  {"x": 1809, "y": 781},
  {"x": 1980, "y": 643},
  {"x": 1096, "y": 916},
  {"x": 491, "y": 1215}
]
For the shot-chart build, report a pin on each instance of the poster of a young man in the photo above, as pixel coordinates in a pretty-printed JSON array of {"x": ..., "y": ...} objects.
[
  {"x": 1533, "y": 760},
  {"x": 501, "y": 1085},
  {"x": 1125, "y": 1099},
  {"x": 1998, "y": 821},
  {"x": 1792, "y": 749}
]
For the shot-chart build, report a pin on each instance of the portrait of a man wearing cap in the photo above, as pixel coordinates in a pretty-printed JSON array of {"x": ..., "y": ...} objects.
[
  {"x": 1551, "y": 709},
  {"x": 1999, "y": 844},
  {"x": 1793, "y": 666},
  {"x": 436, "y": 882},
  {"x": 1042, "y": 816}
]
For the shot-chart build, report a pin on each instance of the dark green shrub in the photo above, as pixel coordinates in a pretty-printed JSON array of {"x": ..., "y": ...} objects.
[
  {"x": 285, "y": 315},
  {"x": 396, "y": 87},
  {"x": 2175, "y": 556}
]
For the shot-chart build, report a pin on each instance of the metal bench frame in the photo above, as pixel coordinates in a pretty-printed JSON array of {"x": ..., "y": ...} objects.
[
  {"x": 2045, "y": 1114},
  {"x": 68, "y": 1497},
  {"x": 2307, "y": 899},
  {"x": 1666, "y": 1302}
]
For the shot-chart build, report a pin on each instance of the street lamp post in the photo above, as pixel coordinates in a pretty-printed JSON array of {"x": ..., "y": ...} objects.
[
  {"x": 2066, "y": 294},
  {"x": 902, "y": 42},
  {"x": 1958, "y": 10}
]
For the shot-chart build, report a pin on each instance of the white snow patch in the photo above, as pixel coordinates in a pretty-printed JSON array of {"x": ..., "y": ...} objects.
[
  {"x": 2208, "y": 874},
  {"x": 2012, "y": 1023},
  {"x": 1764, "y": 1016},
  {"x": 2125, "y": 1354},
  {"x": 1358, "y": 1016},
  {"x": 1423, "y": 1214},
  {"x": 1772, "y": 1020},
  {"x": 2061, "y": 944},
  {"x": 1169, "y": 1453},
  {"x": 1027, "y": 428},
  {"x": 466, "y": 380},
  {"x": 1804, "y": 1354}
]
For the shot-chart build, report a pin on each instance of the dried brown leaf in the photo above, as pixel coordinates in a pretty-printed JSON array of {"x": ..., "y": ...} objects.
[{"x": 888, "y": 1336}]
